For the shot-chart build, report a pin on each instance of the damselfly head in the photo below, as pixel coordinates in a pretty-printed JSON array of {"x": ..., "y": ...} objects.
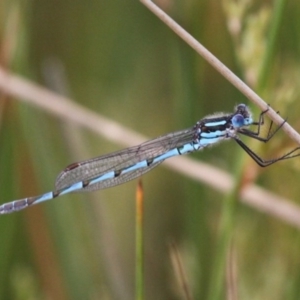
[
  {"x": 243, "y": 110},
  {"x": 242, "y": 116}
]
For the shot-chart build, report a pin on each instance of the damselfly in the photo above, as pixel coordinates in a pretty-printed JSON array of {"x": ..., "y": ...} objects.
[{"x": 121, "y": 166}]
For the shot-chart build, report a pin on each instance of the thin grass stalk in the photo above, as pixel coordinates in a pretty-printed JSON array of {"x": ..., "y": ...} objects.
[
  {"x": 222, "y": 69},
  {"x": 139, "y": 253}
]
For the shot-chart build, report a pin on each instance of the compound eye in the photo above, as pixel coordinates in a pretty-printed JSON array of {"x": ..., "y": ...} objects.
[{"x": 238, "y": 121}]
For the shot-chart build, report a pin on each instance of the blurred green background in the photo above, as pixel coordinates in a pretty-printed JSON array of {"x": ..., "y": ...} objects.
[{"x": 120, "y": 61}]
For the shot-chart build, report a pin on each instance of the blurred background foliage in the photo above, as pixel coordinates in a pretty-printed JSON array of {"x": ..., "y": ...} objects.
[{"x": 116, "y": 58}]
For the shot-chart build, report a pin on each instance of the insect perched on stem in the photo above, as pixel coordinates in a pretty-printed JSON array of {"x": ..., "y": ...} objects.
[{"x": 121, "y": 166}]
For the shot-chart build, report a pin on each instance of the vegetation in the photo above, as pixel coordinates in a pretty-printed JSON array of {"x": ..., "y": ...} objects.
[{"x": 236, "y": 239}]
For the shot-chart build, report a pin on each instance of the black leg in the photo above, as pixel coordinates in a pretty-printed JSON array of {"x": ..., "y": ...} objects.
[
  {"x": 259, "y": 123},
  {"x": 264, "y": 163},
  {"x": 255, "y": 134}
]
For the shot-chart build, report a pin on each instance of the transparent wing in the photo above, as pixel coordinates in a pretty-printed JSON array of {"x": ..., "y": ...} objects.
[{"x": 119, "y": 160}]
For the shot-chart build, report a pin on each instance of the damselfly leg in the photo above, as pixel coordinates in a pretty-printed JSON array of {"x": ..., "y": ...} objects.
[
  {"x": 259, "y": 124},
  {"x": 255, "y": 135},
  {"x": 264, "y": 163}
]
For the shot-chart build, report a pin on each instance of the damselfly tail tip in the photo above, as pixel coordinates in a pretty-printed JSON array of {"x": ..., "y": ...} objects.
[
  {"x": 14, "y": 206},
  {"x": 6, "y": 208}
]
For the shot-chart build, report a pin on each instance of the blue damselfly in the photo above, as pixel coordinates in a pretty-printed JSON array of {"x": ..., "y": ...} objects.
[{"x": 121, "y": 166}]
